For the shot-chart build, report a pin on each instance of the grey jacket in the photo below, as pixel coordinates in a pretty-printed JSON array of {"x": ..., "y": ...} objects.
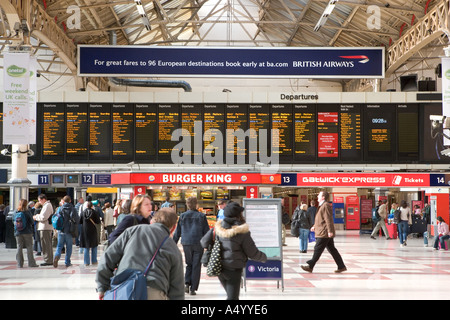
[{"x": 134, "y": 249}]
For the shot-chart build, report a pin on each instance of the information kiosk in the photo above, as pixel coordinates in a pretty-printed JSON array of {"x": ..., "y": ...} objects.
[{"x": 263, "y": 217}]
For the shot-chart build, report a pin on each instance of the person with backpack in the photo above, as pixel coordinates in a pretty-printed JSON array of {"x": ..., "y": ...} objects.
[
  {"x": 382, "y": 215},
  {"x": 45, "y": 229},
  {"x": 23, "y": 231},
  {"x": 305, "y": 222},
  {"x": 66, "y": 218}
]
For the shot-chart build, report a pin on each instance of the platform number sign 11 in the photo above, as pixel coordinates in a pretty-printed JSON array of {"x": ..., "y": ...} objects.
[{"x": 43, "y": 180}]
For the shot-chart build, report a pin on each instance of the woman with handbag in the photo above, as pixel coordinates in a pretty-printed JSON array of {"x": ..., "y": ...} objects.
[
  {"x": 88, "y": 237},
  {"x": 237, "y": 246}
]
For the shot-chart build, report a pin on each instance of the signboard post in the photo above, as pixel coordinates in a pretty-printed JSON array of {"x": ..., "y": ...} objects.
[{"x": 260, "y": 213}]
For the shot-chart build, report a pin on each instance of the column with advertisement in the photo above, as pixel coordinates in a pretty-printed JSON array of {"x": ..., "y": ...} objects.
[{"x": 260, "y": 213}]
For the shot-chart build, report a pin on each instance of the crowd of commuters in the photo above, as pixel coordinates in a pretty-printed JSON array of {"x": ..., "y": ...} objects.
[{"x": 132, "y": 230}]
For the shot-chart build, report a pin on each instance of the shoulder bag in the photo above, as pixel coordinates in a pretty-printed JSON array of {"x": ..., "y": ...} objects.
[{"x": 131, "y": 284}]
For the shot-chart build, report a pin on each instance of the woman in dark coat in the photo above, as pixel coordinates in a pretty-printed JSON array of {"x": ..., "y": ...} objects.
[
  {"x": 237, "y": 246},
  {"x": 88, "y": 236}
]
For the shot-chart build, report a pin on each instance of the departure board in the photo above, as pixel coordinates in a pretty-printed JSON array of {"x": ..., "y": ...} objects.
[
  {"x": 76, "y": 131},
  {"x": 123, "y": 131},
  {"x": 259, "y": 118},
  {"x": 282, "y": 120},
  {"x": 236, "y": 120},
  {"x": 213, "y": 127},
  {"x": 350, "y": 132},
  {"x": 379, "y": 124},
  {"x": 191, "y": 115},
  {"x": 308, "y": 133},
  {"x": 168, "y": 121},
  {"x": 53, "y": 131},
  {"x": 327, "y": 132},
  {"x": 408, "y": 131},
  {"x": 304, "y": 132},
  {"x": 100, "y": 131},
  {"x": 146, "y": 131}
]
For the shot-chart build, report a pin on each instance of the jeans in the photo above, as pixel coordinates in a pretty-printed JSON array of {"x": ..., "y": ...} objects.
[
  {"x": 441, "y": 239},
  {"x": 304, "y": 234},
  {"x": 193, "y": 255},
  {"x": 64, "y": 239},
  {"x": 402, "y": 231},
  {"x": 87, "y": 258}
]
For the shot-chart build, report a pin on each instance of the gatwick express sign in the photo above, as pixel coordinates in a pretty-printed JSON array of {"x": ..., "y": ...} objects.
[{"x": 253, "y": 62}]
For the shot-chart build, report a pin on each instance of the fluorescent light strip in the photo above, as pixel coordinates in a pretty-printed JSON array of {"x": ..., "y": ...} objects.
[{"x": 328, "y": 9}]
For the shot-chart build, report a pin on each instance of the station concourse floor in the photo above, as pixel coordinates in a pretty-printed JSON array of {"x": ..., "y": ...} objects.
[{"x": 377, "y": 269}]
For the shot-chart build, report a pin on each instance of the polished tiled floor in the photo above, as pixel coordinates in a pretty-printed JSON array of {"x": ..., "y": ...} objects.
[{"x": 377, "y": 269}]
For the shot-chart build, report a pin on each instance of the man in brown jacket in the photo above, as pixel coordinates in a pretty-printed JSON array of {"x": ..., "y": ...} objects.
[{"x": 325, "y": 232}]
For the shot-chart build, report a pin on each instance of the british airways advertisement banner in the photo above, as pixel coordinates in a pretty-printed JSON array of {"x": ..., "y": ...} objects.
[{"x": 257, "y": 62}]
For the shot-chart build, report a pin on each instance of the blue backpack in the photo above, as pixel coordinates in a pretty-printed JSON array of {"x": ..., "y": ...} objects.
[
  {"x": 58, "y": 221},
  {"x": 20, "y": 221}
]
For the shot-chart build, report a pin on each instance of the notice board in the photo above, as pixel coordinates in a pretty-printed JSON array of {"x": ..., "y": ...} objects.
[{"x": 263, "y": 217}]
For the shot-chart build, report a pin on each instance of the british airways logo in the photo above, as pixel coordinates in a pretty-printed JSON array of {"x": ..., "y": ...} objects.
[{"x": 361, "y": 58}]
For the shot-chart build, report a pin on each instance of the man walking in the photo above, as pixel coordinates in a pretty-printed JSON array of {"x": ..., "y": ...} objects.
[
  {"x": 383, "y": 213},
  {"x": 325, "y": 233},
  {"x": 192, "y": 226}
]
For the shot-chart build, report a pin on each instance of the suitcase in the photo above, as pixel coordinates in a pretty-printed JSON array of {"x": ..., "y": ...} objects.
[{"x": 392, "y": 229}]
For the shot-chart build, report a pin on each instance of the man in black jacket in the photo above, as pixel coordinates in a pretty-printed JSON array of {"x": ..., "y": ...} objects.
[{"x": 192, "y": 226}]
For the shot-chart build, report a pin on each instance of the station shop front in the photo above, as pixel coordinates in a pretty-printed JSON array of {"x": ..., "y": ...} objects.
[{"x": 353, "y": 195}]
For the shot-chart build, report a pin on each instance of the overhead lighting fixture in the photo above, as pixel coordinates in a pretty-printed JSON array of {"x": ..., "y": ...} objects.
[
  {"x": 324, "y": 17},
  {"x": 141, "y": 11}
]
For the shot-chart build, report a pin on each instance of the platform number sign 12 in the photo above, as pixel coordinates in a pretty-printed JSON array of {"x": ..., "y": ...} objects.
[{"x": 87, "y": 179}]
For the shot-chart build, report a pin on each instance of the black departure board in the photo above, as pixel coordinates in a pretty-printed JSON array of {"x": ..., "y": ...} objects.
[
  {"x": 53, "y": 131},
  {"x": 282, "y": 121},
  {"x": 100, "y": 141},
  {"x": 304, "y": 132},
  {"x": 350, "y": 132},
  {"x": 408, "y": 131},
  {"x": 76, "y": 131},
  {"x": 237, "y": 123},
  {"x": 258, "y": 118},
  {"x": 168, "y": 122},
  {"x": 146, "y": 129},
  {"x": 191, "y": 120},
  {"x": 379, "y": 125},
  {"x": 213, "y": 127},
  {"x": 123, "y": 131},
  {"x": 308, "y": 133},
  {"x": 327, "y": 132}
]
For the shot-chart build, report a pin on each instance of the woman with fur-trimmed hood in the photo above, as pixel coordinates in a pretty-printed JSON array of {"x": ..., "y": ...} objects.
[{"x": 237, "y": 246}]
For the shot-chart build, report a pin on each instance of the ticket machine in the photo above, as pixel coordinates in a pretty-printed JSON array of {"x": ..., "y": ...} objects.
[
  {"x": 352, "y": 215},
  {"x": 338, "y": 215}
]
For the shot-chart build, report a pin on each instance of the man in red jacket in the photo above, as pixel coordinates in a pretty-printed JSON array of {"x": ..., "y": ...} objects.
[{"x": 325, "y": 233}]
